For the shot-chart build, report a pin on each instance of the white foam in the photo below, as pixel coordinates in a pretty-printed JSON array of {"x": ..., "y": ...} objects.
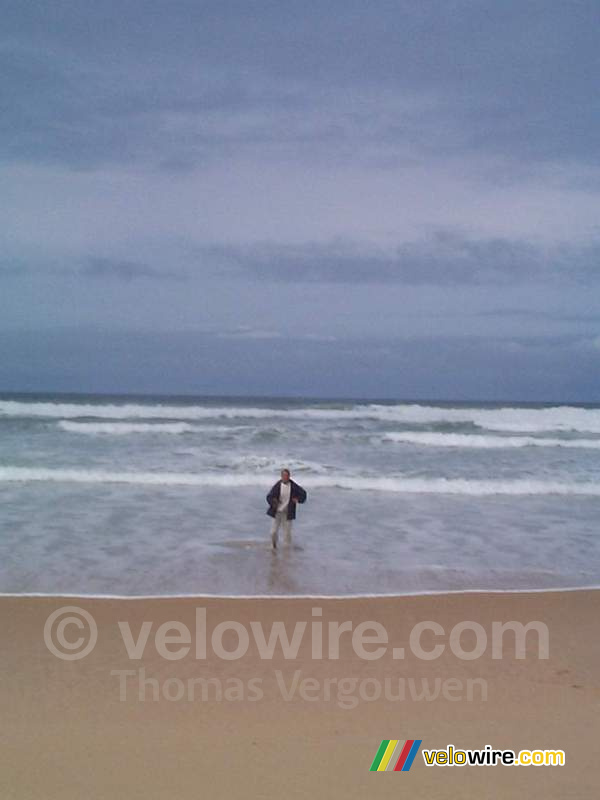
[
  {"x": 399, "y": 484},
  {"x": 13, "y": 408},
  {"x": 124, "y": 428},
  {"x": 270, "y": 464},
  {"x": 510, "y": 419},
  {"x": 360, "y": 596},
  {"x": 486, "y": 442}
]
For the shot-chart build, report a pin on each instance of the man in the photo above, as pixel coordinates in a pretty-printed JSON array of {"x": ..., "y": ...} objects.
[{"x": 282, "y": 500}]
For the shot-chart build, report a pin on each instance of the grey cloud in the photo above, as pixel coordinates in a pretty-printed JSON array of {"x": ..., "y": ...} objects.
[
  {"x": 10, "y": 268},
  {"x": 544, "y": 315},
  {"x": 125, "y": 270},
  {"x": 147, "y": 82},
  {"x": 446, "y": 258},
  {"x": 65, "y": 110},
  {"x": 245, "y": 332},
  {"x": 248, "y": 333},
  {"x": 484, "y": 112},
  {"x": 467, "y": 368},
  {"x": 96, "y": 267}
]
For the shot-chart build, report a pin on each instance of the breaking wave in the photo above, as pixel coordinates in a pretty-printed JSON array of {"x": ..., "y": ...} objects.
[
  {"x": 509, "y": 419},
  {"x": 485, "y": 442},
  {"x": 228, "y": 479},
  {"x": 124, "y": 428}
]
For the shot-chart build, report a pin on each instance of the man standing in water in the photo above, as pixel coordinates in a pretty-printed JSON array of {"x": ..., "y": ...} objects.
[{"x": 282, "y": 500}]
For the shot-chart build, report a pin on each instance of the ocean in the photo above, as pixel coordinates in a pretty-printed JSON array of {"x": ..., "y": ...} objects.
[{"x": 166, "y": 496}]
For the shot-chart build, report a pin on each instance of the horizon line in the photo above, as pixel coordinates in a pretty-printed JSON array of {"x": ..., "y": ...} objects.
[{"x": 9, "y": 393}]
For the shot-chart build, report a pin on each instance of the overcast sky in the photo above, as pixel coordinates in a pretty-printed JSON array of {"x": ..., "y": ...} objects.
[{"x": 385, "y": 199}]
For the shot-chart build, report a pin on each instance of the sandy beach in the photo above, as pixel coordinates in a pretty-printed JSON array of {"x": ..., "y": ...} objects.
[{"x": 72, "y": 729}]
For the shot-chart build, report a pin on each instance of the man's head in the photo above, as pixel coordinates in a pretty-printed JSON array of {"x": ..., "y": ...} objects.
[{"x": 285, "y": 475}]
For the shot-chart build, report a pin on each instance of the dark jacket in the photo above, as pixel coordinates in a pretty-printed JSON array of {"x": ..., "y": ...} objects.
[{"x": 296, "y": 492}]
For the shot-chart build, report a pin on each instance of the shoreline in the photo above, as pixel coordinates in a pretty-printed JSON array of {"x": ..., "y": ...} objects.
[{"x": 357, "y": 596}]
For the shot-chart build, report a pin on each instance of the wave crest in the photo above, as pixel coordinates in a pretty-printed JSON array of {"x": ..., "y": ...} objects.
[
  {"x": 485, "y": 442},
  {"x": 510, "y": 419},
  {"x": 124, "y": 428},
  {"x": 396, "y": 484}
]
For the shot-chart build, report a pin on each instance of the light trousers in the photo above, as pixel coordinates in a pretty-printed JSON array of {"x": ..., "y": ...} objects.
[{"x": 279, "y": 520}]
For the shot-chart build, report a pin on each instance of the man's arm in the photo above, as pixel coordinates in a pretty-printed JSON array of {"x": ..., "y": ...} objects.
[
  {"x": 271, "y": 496},
  {"x": 300, "y": 494}
]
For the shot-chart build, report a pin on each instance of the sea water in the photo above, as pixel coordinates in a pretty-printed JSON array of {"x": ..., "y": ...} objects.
[{"x": 138, "y": 496}]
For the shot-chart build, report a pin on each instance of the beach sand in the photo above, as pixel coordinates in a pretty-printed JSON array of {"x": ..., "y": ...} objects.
[{"x": 67, "y": 735}]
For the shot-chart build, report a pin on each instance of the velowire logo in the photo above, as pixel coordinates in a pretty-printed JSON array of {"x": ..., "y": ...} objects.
[{"x": 395, "y": 755}]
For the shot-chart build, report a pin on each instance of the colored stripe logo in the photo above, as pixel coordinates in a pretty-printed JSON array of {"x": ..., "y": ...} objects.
[{"x": 395, "y": 755}]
